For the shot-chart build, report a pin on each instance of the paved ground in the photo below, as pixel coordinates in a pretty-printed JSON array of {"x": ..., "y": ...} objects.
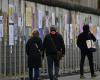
[
  {"x": 77, "y": 77},
  {"x": 73, "y": 77}
]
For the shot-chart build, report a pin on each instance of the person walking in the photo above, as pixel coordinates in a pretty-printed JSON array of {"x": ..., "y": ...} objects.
[
  {"x": 33, "y": 50},
  {"x": 54, "y": 46},
  {"x": 82, "y": 44}
]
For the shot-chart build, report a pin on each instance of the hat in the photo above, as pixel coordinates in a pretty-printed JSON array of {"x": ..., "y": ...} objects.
[
  {"x": 52, "y": 28},
  {"x": 86, "y": 28}
]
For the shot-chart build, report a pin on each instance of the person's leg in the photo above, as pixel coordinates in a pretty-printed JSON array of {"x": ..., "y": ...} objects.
[
  {"x": 30, "y": 73},
  {"x": 56, "y": 65},
  {"x": 90, "y": 58},
  {"x": 36, "y": 73},
  {"x": 82, "y": 63},
  {"x": 50, "y": 66}
]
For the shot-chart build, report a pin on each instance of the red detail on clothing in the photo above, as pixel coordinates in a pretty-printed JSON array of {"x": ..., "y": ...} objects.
[{"x": 53, "y": 33}]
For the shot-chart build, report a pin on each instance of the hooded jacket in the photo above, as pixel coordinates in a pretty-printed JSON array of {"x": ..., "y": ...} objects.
[{"x": 85, "y": 35}]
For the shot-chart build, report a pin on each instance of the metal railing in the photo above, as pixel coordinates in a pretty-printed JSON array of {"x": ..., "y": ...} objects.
[{"x": 13, "y": 59}]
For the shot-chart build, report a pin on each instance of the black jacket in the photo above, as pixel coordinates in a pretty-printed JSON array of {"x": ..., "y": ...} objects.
[
  {"x": 52, "y": 44},
  {"x": 81, "y": 41},
  {"x": 34, "y": 53}
]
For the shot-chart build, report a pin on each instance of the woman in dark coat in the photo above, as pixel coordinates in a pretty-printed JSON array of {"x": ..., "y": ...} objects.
[{"x": 33, "y": 50}]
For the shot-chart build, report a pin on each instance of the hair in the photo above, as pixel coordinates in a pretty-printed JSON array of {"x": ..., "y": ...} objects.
[
  {"x": 53, "y": 28},
  {"x": 35, "y": 32}
]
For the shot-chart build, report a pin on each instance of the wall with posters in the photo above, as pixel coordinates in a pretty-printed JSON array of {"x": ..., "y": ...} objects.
[{"x": 20, "y": 17}]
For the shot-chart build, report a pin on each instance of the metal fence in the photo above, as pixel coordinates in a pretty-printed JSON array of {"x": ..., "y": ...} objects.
[{"x": 13, "y": 59}]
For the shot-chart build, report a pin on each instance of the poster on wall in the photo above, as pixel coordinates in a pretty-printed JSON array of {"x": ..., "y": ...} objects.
[
  {"x": 67, "y": 28},
  {"x": 53, "y": 18},
  {"x": 93, "y": 29},
  {"x": 11, "y": 13},
  {"x": 78, "y": 19},
  {"x": 71, "y": 31},
  {"x": 1, "y": 26},
  {"x": 11, "y": 34},
  {"x": 40, "y": 18},
  {"x": 11, "y": 24},
  {"x": 5, "y": 25},
  {"x": 19, "y": 21},
  {"x": 98, "y": 33},
  {"x": 29, "y": 16}
]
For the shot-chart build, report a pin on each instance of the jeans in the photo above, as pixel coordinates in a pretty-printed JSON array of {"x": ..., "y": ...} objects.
[
  {"x": 51, "y": 60},
  {"x": 36, "y": 73}
]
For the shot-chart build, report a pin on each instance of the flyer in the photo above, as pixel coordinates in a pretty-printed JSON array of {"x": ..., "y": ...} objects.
[
  {"x": 11, "y": 34},
  {"x": 40, "y": 18},
  {"x": 1, "y": 26}
]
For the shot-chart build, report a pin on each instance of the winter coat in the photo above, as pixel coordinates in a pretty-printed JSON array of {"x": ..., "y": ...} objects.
[
  {"x": 52, "y": 44},
  {"x": 33, "y": 50},
  {"x": 81, "y": 41}
]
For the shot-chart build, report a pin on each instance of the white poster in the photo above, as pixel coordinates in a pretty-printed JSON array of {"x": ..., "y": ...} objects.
[
  {"x": 67, "y": 28},
  {"x": 65, "y": 21},
  {"x": 11, "y": 34},
  {"x": 65, "y": 37},
  {"x": 98, "y": 33},
  {"x": 19, "y": 21},
  {"x": 78, "y": 19},
  {"x": 53, "y": 18},
  {"x": 40, "y": 18},
  {"x": 1, "y": 26},
  {"x": 71, "y": 31}
]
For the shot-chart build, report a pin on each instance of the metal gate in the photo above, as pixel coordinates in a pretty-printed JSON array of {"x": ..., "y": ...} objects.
[{"x": 13, "y": 59}]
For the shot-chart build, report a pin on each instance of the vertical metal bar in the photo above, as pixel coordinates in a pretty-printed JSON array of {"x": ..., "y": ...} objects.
[
  {"x": 15, "y": 59},
  {"x": 0, "y": 43},
  {"x": 10, "y": 60},
  {"x": 20, "y": 56},
  {"x": 0, "y": 56},
  {"x": 5, "y": 44},
  {"x": 23, "y": 3}
]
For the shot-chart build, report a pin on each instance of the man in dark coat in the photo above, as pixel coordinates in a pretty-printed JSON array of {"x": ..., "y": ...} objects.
[
  {"x": 33, "y": 50},
  {"x": 52, "y": 43},
  {"x": 81, "y": 43}
]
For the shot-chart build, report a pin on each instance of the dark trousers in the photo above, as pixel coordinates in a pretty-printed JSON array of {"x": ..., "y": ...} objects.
[
  {"x": 51, "y": 60},
  {"x": 90, "y": 58},
  {"x": 36, "y": 73}
]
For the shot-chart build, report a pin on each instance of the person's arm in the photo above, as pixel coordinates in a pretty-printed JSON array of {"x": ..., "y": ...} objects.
[
  {"x": 79, "y": 42},
  {"x": 27, "y": 47},
  {"x": 62, "y": 45}
]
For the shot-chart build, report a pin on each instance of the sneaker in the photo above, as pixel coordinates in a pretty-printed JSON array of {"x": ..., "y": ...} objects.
[
  {"x": 82, "y": 77},
  {"x": 94, "y": 75}
]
